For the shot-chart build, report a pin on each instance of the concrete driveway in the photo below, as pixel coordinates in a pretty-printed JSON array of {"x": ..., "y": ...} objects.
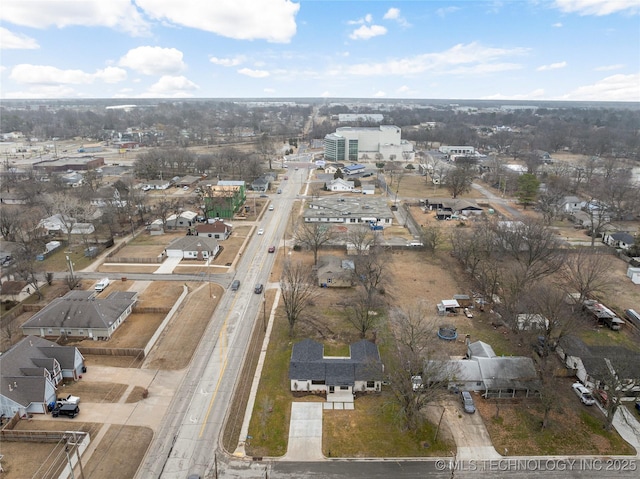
[
  {"x": 305, "y": 432},
  {"x": 470, "y": 435}
]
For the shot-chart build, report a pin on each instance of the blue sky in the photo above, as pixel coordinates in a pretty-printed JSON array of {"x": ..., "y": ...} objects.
[{"x": 583, "y": 50}]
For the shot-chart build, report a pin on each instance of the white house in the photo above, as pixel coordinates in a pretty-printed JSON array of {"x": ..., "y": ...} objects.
[
  {"x": 571, "y": 204},
  {"x": 59, "y": 224},
  {"x": 184, "y": 220},
  {"x": 339, "y": 184},
  {"x": 620, "y": 240},
  {"x": 193, "y": 247}
]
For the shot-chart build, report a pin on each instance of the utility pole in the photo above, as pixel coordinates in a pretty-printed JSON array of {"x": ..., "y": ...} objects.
[
  {"x": 75, "y": 440},
  {"x": 264, "y": 312},
  {"x": 73, "y": 280}
]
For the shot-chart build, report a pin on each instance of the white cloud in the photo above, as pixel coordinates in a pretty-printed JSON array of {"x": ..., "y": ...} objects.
[
  {"x": 551, "y": 66},
  {"x": 48, "y": 75},
  {"x": 253, "y": 73},
  {"x": 228, "y": 62},
  {"x": 598, "y": 7},
  {"x": 471, "y": 57},
  {"x": 368, "y": 18},
  {"x": 557, "y": 25},
  {"x": 119, "y": 14},
  {"x": 16, "y": 41},
  {"x": 613, "y": 88},
  {"x": 153, "y": 60},
  {"x": 606, "y": 68},
  {"x": 49, "y": 91},
  {"x": 325, "y": 94},
  {"x": 379, "y": 94},
  {"x": 272, "y": 20},
  {"x": 171, "y": 87},
  {"x": 394, "y": 14},
  {"x": 442, "y": 12},
  {"x": 269, "y": 90},
  {"x": 366, "y": 32}
]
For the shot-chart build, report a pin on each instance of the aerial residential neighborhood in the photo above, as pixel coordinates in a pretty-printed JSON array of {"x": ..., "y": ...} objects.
[{"x": 334, "y": 289}]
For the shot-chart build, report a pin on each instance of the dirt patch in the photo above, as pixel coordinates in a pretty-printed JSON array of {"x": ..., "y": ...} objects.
[
  {"x": 135, "y": 332},
  {"x": 112, "y": 361},
  {"x": 180, "y": 339},
  {"x": 161, "y": 294},
  {"x": 121, "y": 450},
  {"x": 137, "y": 394}
]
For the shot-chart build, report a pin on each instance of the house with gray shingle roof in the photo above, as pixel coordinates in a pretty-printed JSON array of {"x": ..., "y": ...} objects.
[
  {"x": 30, "y": 372},
  {"x": 80, "y": 314},
  {"x": 620, "y": 239},
  {"x": 193, "y": 247},
  {"x": 310, "y": 370}
]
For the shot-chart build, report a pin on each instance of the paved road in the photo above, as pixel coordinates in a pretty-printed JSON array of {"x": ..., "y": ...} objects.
[
  {"x": 193, "y": 425},
  {"x": 506, "y": 204}
]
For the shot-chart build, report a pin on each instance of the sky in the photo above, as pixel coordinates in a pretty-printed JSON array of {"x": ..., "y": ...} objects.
[{"x": 564, "y": 50}]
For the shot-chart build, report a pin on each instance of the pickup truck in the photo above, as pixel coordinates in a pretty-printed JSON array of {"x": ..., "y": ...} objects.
[{"x": 69, "y": 399}]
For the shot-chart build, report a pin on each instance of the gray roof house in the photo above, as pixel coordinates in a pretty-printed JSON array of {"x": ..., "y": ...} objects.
[
  {"x": 30, "y": 372},
  {"x": 621, "y": 239},
  {"x": 499, "y": 377},
  {"x": 592, "y": 364},
  {"x": 193, "y": 247},
  {"x": 310, "y": 370},
  {"x": 334, "y": 272},
  {"x": 260, "y": 184},
  {"x": 349, "y": 210},
  {"x": 80, "y": 314}
]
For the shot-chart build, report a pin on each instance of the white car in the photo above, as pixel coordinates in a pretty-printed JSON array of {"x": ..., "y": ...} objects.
[
  {"x": 260, "y": 231},
  {"x": 584, "y": 394},
  {"x": 270, "y": 207},
  {"x": 68, "y": 399}
]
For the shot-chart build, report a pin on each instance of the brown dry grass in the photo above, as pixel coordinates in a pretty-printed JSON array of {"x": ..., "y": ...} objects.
[
  {"x": 137, "y": 394},
  {"x": 161, "y": 294},
  {"x": 179, "y": 341},
  {"x": 574, "y": 429},
  {"x": 94, "y": 392}
]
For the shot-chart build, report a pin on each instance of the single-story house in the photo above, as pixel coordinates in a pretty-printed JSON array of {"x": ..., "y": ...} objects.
[
  {"x": 31, "y": 371},
  {"x": 621, "y": 239},
  {"x": 80, "y": 314},
  {"x": 593, "y": 364},
  {"x": 338, "y": 184},
  {"x": 529, "y": 322},
  {"x": 193, "y": 247},
  {"x": 188, "y": 180},
  {"x": 500, "y": 377},
  {"x": 349, "y": 210},
  {"x": 310, "y": 370},
  {"x": 217, "y": 229},
  {"x": 260, "y": 184},
  {"x": 73, "y": 180},
  {"x": 184, "y": 220},
  {"x": 334, "y": 272},
  {"x": 353, "y": 169},
  {"x": 59, "y": 224}
]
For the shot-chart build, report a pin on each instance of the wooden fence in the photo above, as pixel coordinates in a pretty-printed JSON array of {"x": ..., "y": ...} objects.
[{"x": 134, "y": 352}]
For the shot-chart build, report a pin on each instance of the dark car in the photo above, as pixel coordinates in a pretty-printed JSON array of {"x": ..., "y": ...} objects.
[
  {"x": 235, "y": 285},
  {"x": 367, "y": 175},
  {"x": 264, "y": 196},
  {"x": 259, "y": 288},
  {"x": 272, "y": 249},
  {"x": 69, "y": 410}
]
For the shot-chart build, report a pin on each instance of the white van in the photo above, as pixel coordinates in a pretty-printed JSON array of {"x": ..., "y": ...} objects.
[{"x": 102, "y": 284}]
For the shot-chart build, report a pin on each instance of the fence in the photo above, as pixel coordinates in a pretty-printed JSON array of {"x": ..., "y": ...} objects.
[
  {"x": 135, "y": 352},
  {"x": 38, "y": 436},
  {"x": 156, "y": 260}
]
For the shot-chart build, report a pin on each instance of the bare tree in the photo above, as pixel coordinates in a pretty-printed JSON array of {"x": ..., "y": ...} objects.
[
  {"x": 299, "y": 289},
  {"x": 458, "y": 180},
  {"x": 431, "y": 237},
  {"x": 362, "y": 237},
  {"x": 587, "y": 272},
  {"x": 9, "y": 222},
  {"x": 416, "y": 378},
  {"x": 314, "y": 236},
  {"x": 364, "y": 311}
]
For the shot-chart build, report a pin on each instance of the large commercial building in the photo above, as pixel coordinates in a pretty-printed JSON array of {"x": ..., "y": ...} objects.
[{"x": 362, "y": 143}]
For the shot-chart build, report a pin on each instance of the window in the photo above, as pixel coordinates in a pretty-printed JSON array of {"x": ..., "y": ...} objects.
[
  {"x": 344, "y": 388},
  {"x": 318, "y": 382},
  {"x": 371, "y": 384}
]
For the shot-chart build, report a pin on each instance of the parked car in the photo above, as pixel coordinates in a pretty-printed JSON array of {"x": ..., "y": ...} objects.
[
  {"x": 584, "y": 394},
  {"x": 69, "y": 410},
  {"x": 69, "y": 399},
  {"x": 279, "y": 191},
  {"x": 467, "y": 402},
  {"x": 416, "y": 383},
  {"x": 259, "y": 288},
  {"x": 264, "y": 196},
  {"x": 286, "y": 177},
  {"x": 272, "y": 249},
  {"x": 235, "y": 285},
  {"x": 638, "y": 407}
]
